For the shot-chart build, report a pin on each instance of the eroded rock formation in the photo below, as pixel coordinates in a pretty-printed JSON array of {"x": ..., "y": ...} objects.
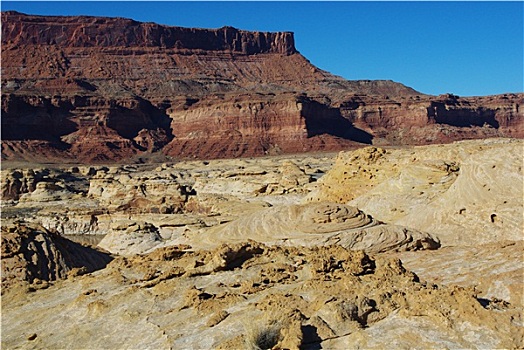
[
  {"x": 317, "y": 224},
  {"x": 443, "y": 189},
  {"x": 250, "y": 258},
  {"x": 288, "y": 297},
  {"x": 95, "y": 89},
  {"x": 33, "y": 254}
]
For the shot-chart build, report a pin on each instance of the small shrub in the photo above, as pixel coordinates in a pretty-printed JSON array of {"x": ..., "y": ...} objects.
[{"x": 263, "y": 337}]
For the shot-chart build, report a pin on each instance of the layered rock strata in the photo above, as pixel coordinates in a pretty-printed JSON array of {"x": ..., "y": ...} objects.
[
  {"x": 317, "y": 225},
  {"x": 92, "y": 89},
  {"x": 443, "y": 189}
]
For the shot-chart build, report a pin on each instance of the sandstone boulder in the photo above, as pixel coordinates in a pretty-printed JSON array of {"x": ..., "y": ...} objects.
[
  {"x": 48, "y": 192},
  {"x": 130, "y": 238},
  {"x": 16, "y": 182},
  {"x": 144, "y": 192}
]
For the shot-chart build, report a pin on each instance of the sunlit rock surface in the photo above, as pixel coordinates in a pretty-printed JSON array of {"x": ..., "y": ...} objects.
[{"x": 364, "y": 249}]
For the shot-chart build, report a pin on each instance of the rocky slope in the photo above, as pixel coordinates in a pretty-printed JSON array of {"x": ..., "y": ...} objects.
[
  {"x": 33, "y": 254},
  {"x": 92, "y": 89},
  {"x": 443, "y": 189}
]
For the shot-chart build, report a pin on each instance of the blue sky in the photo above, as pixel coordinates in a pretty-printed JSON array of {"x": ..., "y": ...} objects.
[{"x": 465, "y": 48}]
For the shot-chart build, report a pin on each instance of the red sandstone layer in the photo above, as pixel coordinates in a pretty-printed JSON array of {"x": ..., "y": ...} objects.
[{"x": 90, "y": 89}]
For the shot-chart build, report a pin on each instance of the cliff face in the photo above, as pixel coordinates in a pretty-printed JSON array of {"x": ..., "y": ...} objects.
[
  {"x": 436, "y": 119},
  {"x": 82, "y": 31},
  {"x": 91, "y": 89}
]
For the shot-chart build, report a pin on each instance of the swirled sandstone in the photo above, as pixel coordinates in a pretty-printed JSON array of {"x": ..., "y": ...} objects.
[
  {"x": 316, "y": 224},
  {"x": 469, "y": 191}
]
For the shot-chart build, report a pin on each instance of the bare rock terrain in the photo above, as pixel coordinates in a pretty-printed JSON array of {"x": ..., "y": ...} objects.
[
  {"x": 33, "y": 254},
  {"x": 298, "y": 297},
  {"x": 135, "y": 216},
  {"x": 317, "y": 224},
  {"x": 306, "y": 251},
  {"x": 442, "y": 189}
]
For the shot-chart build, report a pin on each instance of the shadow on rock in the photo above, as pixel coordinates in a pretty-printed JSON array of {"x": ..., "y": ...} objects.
[{"x": 31, "y": 253}]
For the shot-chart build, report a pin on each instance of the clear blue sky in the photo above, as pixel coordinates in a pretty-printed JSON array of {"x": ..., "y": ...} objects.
[{"x": 465, "y": 48}]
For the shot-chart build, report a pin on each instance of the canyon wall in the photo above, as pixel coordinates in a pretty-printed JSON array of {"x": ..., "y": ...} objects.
[
  {"x": 93, "y": 89},
  {"x": 84, "y": 31}
]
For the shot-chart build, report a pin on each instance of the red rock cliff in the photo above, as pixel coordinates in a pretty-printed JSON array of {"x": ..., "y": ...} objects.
[
  {"x": 83, "y": 31},
  {"x": 92, "y": 89}
]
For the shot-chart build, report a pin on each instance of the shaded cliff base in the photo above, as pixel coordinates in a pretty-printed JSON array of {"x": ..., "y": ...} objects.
[{"x": 91, "y": 130}]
